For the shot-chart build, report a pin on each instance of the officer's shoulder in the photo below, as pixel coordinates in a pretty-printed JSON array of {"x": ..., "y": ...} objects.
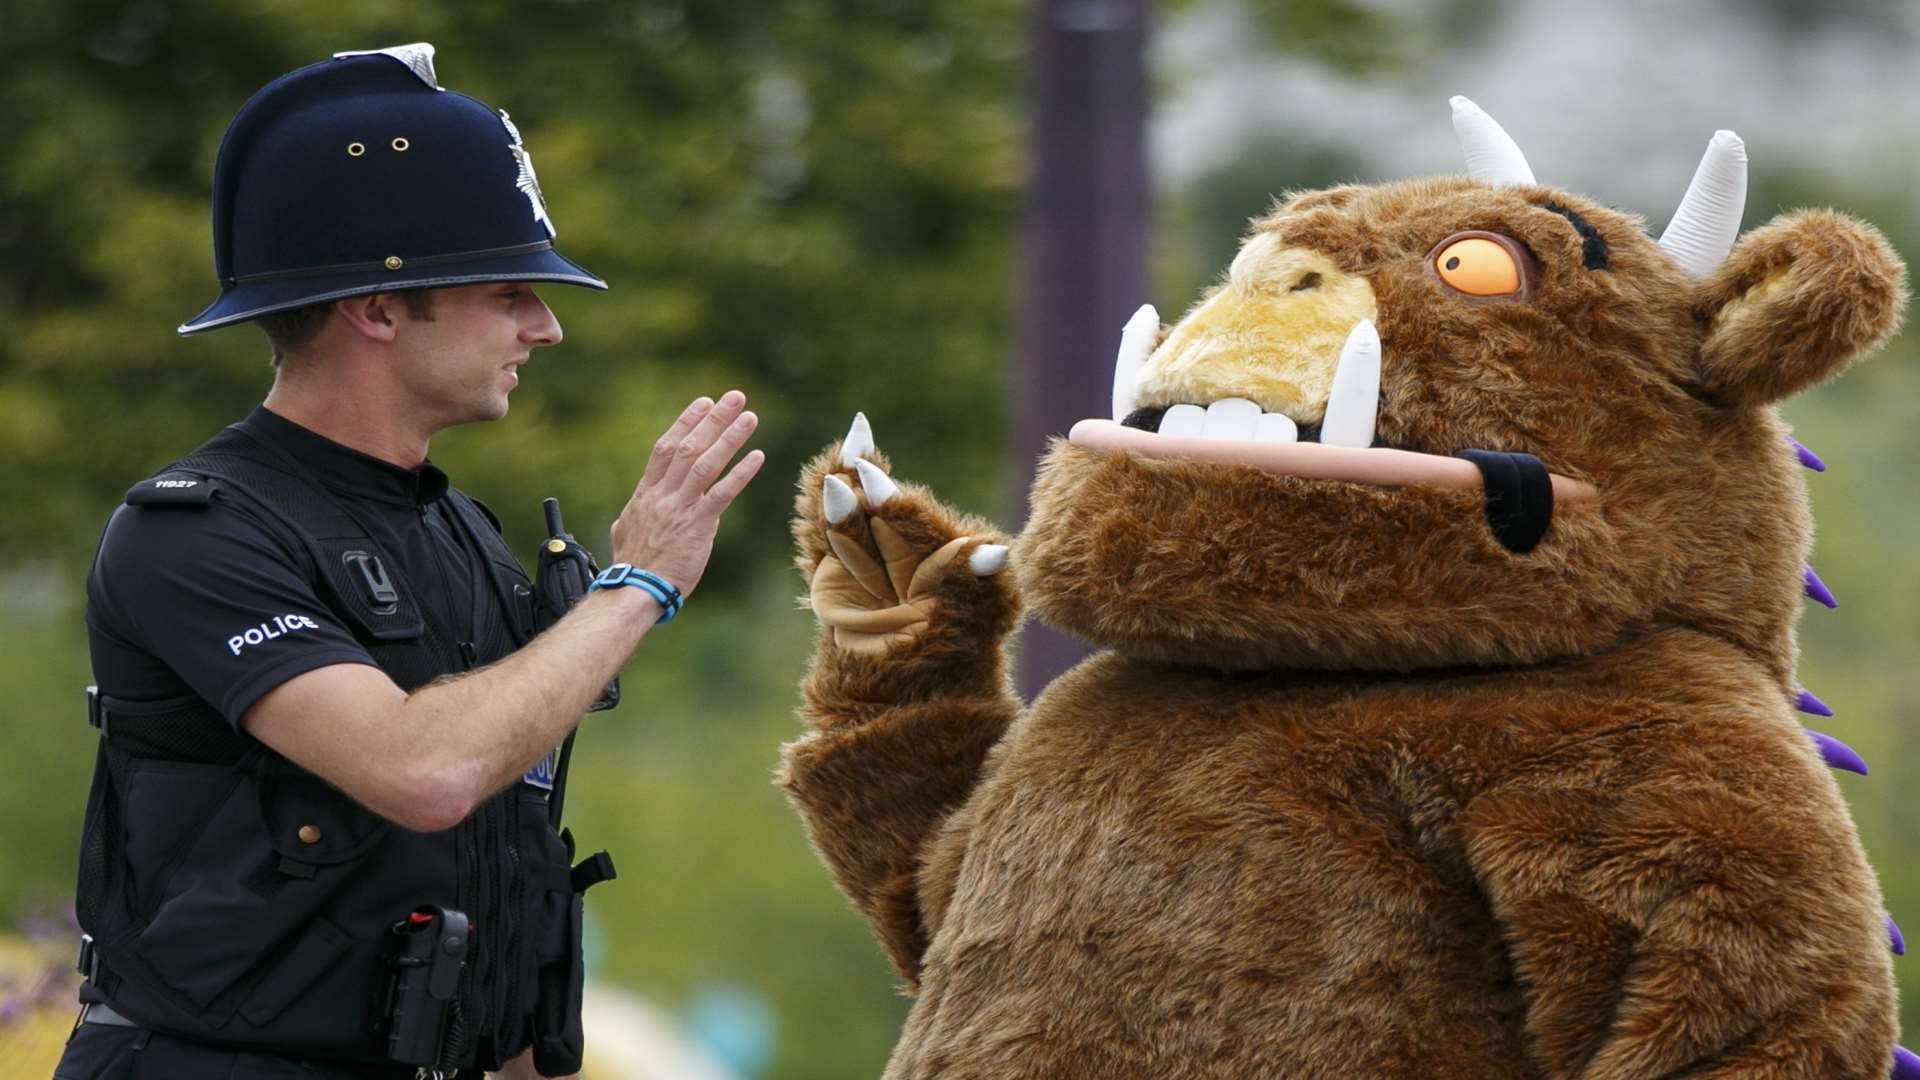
[
  {"x": 486, "y": 511},
  {"x": 174, "y": 489},
  {"x": 182, "y": 505}
]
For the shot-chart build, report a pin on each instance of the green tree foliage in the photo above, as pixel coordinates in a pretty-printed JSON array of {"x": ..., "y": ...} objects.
[{"x": 813, "y": 202}]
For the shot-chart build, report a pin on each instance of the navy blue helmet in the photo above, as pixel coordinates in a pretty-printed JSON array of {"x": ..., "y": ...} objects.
[{"x": 361, "y": 174}]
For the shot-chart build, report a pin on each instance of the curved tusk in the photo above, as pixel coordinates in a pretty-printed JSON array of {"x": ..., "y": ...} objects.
[
  {"x": 1354, "y": 402},
  {"x": 1703, "y": 229},
  {"x": 1492, "y": 155},
  {"x": 1136, "y": 344}
]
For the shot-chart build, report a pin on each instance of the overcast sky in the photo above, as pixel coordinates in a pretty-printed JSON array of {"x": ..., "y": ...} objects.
[{"x": 1614, "y": 100}]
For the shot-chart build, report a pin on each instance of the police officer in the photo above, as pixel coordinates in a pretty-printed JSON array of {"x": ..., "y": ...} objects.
[{"x": 318, "y": 840}]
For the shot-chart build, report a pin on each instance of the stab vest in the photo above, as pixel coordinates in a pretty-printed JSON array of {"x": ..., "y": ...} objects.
[{"x": 235, "y": 898}]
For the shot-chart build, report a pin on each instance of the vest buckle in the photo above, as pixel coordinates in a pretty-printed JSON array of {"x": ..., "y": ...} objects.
[
  {"x": 89, "y": 960},
  {"x": 96, "y": 712}
]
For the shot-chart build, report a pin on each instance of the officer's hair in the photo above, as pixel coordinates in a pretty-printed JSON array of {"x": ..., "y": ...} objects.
[{"x": 288, "y": 330}]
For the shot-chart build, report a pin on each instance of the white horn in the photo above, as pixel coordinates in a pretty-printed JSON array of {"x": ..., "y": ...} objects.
[
  {"x": 1703, "y": 229},
  {"x": 1492, "y": 155},
  {"x": 1136, "y": 343}
]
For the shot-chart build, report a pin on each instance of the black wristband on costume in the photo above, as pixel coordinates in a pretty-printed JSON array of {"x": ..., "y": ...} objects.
[{"x": 1519, "y": 497}]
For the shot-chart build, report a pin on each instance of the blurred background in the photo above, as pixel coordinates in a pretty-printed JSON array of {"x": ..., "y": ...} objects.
[{"x": 840, "y": 206}]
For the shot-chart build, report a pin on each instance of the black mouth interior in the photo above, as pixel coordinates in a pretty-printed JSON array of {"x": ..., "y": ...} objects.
[{"x": 1148, "y": 420}]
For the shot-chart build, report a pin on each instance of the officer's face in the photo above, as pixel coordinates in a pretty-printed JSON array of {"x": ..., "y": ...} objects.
[{"x": 463, "y": 362}]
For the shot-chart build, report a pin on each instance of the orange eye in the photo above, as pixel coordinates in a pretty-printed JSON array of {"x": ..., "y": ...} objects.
[{"x": 1479, "y": 266}]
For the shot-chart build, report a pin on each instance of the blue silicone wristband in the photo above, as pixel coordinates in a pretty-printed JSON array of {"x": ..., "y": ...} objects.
[{"x": 646, "y": 581}]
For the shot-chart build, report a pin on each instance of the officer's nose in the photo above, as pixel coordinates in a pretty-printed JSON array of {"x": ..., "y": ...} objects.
[{"x": 540, "y": 327}]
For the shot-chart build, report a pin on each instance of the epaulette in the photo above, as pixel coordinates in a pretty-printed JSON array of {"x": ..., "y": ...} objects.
[{"x": 172, "y": 489}]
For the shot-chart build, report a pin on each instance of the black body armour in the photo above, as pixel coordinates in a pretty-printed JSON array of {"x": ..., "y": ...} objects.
[{"x": 236, "y": 898}]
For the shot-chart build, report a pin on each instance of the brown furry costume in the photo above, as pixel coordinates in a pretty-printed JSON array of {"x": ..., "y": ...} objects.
[{"x": 1352, "y": 789}]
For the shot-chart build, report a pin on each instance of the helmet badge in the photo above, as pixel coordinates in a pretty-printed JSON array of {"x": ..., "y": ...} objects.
[
  {"x": 418, "y": 57},
  {"x": 527, "y": 182}
]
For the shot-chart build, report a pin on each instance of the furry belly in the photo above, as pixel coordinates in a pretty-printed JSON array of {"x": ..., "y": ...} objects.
[{"x": 1256, "y": 888}]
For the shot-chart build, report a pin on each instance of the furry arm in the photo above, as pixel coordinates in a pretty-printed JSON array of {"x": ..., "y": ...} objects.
[
  {"x": 904, "y": 708},
  {"x": 1685, "y": 896}
]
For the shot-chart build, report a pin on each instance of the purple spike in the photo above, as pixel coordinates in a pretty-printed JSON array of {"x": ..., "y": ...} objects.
[
  {"x": 1896, "y": 938},
  {"x": 1807, "y": 457},
  {"x": 1906, "y": 1065},
  {"x": 1811, "y": 705},
  {"x": 1836, "y": 754},
  {"x": 1817, "y": 589}
]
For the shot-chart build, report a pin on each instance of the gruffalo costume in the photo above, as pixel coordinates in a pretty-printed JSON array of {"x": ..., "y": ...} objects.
[{"x": 1444, "y": 562}]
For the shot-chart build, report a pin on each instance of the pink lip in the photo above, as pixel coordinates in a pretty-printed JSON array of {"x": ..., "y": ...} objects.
[{"x": 1378, "y": 466}]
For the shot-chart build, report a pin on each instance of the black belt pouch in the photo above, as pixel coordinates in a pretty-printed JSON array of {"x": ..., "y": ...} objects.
[{"x": 559, "y": 1042}]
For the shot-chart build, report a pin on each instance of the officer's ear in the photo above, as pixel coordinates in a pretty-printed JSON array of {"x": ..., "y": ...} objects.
[{"x": 375, "y": 317}]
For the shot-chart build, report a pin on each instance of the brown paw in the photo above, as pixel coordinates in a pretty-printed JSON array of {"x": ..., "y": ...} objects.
[{"x": 883, "y": 559}]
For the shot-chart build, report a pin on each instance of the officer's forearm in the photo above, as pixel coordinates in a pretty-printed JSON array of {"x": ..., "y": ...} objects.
[{"x": 485, "y": 728}]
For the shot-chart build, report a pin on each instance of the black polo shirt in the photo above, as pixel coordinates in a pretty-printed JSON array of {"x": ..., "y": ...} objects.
[{"x": 219, "y": 601}]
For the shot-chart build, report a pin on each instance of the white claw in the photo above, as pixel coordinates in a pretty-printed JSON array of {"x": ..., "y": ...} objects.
[
  {"x": 1354, "y": 402},
  {"x": 1136, "y": 344},
  {"x": 988, "y": 560},
  {"x": 859, "y": 441},
  {"x": 837, "y": 500},
  {"x": 878, "y": 485}
]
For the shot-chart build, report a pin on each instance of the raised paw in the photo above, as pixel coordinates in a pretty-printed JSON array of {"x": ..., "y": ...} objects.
[{"x": 885, "y": 561}]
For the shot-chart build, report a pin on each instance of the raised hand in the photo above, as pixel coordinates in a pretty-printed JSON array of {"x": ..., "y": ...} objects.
[
  {"x": 669, "y": 523},
  {"x": 885, "y": 562}
]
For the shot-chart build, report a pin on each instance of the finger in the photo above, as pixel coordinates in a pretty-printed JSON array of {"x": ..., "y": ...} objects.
[
  {"x": 731, "y": 485},
  {"x": 927, "y": 575},
  {"x": 901, "y": 557},
  {"x": 862, "y": 644},
  {"x": 840, "y": 601},
  {"x": 861, "y": 565},
  {"x": 869, "y": 621},
  {"x": 702, "y": 436},
  {"x": 706, "y": 468},
  {"x": 859, "y": 441},
  {"x": 834, "y": 593},
  {"x": 664, "y": 446}
]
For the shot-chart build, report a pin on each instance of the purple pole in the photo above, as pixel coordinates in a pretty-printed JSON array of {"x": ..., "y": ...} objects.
[{"x": 1083, "y": 265}]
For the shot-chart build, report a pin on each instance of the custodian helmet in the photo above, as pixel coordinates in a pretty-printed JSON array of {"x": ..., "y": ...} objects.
[{"x": 362, "y": 174}]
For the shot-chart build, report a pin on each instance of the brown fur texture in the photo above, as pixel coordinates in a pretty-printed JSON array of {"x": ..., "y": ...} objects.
[{"x": 1354, "y": 791}]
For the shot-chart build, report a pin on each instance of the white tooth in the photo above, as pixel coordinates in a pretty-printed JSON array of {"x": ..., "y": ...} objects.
[
  {"x": 1136, "y": 342},
  {"x": 1275, "y": 427},
  {"x": 1230, "y": 418},
  {"x": 988, "y": 559},
  {"x": 1184, "y": 420},
  {"x": 1354, "y": 402},
  {"x": 859, "y": 441},
  {"x": 837, "y": 500},
  {"x": 878, "y": 485}
]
